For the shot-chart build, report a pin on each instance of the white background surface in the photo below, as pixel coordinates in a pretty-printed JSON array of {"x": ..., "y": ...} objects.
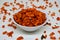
[{"x": 30, "y": 35}]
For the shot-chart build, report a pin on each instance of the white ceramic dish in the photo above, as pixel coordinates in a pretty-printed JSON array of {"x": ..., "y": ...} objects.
[{"x": 26, "y": 28}]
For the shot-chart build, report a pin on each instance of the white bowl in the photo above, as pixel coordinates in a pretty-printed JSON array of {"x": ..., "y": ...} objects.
[{"x": 30, "y": 28}]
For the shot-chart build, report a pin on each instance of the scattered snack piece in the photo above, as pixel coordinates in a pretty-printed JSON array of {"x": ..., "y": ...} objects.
[
  {"x": 59, "y": 38},
  {"x": 36, "y": 39},
  {"x": 58, "y": 18},
  {"x": 14, "y": 8},
  {"x": 44, "y": 31},
  {"x": 53, "y": 14},
  {"x": 14, "y": 1},
  {"x": 34, "y": 6},
  {"x": 59, "y": 31},
  {"x": 37, "y": 0},
  {"x": 20, "y": 38},
  {"x": 52, "y": 33},
  {"x": 45, "y": 0},
  {"x": 3, "y": 26},
  {"x": 10, "y": 33},
  {"x": 9, "y": 13},
  {"x": 6, "y": 4},
  {"x": 50, "y": 5},
  {"x": 43, "y": 37},
  {"x": 13, "y": 26},
  {"x": 3, "y": 10},
  {"x": 4, "y": 18},
  {"x": 42, "y": 7},
  {"x": 20, "y": 5},
  {"x": 55, "y": 27},
  {"x": 11, "y": 3},
  {"x": 48, "y": 24},
  {"x": 9, "y": 20},
  {"x": 5, "y": 32},
  {"x": 56, "y": 4},
  {"x": 58, "y": 10},
  {"x": 52, "y": 37}
]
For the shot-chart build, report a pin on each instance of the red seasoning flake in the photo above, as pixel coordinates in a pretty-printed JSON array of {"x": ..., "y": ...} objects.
[
  {"x": 4, "y": 18},
  {"x": 58, "y": 18},
  {"x": 53, "y": 14},
  {"x": 55, "y": 27},
  {"x": 9, "y": 19},
  {"x": 6, "y": 4},
  {"x": 3, "y": 26},
  {"x": 10, "y": 33},
  {"x": 20, "y": 38},
  {"x": 5, "y": 32},
  {"x": 36, "y": 39},
  {"x": 59, "y": 31}
]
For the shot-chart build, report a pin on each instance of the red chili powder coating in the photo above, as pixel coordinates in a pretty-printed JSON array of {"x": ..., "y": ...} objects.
[
  {"x": 20, "y": 38},
  {"x": 29, "y": 17},
  {"x": 58, "y": 18}
]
